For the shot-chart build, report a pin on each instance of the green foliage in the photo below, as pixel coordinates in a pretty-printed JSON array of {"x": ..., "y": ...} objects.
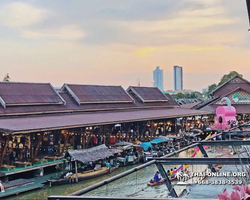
[
  {"x": 223, "y": 80},
  {"x": 211, "y": 88},
  {"x": 6, "y": 78},
  {"x": 192, "y": 95},
  {"x": 226, "y": 77}
]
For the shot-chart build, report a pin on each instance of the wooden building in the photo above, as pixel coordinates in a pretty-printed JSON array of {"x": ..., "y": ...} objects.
[
  {"x": 237, "y": 89},
  {"x": 39, "y": 124}
]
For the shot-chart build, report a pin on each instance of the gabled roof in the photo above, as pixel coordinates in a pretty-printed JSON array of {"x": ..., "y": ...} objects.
[
  {"x": 148, "y": 94},
  {"x": 238, "y": 76},
  {"x": 90, "y": 94},
  {"x": 27, "y": 94},
  {"x": 171, "y": 100},
  {"x": 231, "y": 93},
  {"x": 205, "y": 103}
]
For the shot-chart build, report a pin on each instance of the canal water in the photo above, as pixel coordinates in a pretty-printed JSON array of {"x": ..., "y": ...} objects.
[{"x": 133, "y": 185}]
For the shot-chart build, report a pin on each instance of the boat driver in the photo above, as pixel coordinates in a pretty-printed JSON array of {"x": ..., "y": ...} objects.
[{"x": 156, "y": 177}]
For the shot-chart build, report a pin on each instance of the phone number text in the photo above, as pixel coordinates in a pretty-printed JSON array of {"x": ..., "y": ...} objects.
[{"x": 219, "y": 182}]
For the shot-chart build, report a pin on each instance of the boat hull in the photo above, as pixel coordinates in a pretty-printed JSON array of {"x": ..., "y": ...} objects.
[
  {"x": 81, "y": 176},
  {"x": 161, "y": 182}
]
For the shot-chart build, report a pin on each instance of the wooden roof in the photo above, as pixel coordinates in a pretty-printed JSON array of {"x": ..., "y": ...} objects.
[
  {"x": 86, "y": 94},
  {"x": 148, "y": 94},
  {"x": 15, "y": 93},
  {"x": 66, "y": 121},
  {"x": 235, "y": 84},
  {"x": 231, "y": 84}
]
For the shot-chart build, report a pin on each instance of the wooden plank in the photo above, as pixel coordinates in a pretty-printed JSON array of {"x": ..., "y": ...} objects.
[{"x": 17, "y": 182}]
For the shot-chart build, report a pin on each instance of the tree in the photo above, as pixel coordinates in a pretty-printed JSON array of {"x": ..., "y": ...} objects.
[
  {"x": 6, "y": 78},
  {"x": 211, "y": 88},
  {"x": 178, "y": 96},
  {"x": 226, "y": 77}
]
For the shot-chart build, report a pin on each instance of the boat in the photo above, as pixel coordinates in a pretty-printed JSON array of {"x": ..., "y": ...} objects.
[
  {"x": 131, "y": 153},
  {"x": 81, "y": 176},
  {"x": 161, "y": 182},
  {"x": 86, "y": 164}
]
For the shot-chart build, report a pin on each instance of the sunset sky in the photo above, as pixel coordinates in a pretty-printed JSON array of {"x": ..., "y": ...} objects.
[{"x": 112, "y": 42}]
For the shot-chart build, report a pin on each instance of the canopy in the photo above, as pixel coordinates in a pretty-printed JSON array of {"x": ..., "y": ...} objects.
[
  {"x": 146, "y": 145},
  {"x": 92, "y": 154},
  {"x": 159, "y": 140}
]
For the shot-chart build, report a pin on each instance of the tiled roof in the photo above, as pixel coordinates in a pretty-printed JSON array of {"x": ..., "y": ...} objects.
[
  {"x": 97, "y": 94},
  {"x": 45, "y": 123},
  {"x": 14, "y": 93},
  {"x": 171, "y": 100},
  {"x": 148, "y": 94}
]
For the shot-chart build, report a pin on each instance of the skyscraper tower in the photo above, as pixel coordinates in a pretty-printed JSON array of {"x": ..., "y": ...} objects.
[
  {"x": 158, "y": 78},
  {"x": 178, "y": 78}
]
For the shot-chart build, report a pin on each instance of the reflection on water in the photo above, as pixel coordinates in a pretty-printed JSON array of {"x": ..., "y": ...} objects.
[{"x": 133, "y": 185}]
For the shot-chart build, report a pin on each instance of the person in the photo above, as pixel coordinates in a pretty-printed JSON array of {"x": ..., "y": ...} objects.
[
  {"x": 156, "y": 177},
  {"x": 168, "y": 172},
  {"x": 186, "y": 166},
  {"x": 171, "y": 172},
  {"x": 1, "y": 187}
]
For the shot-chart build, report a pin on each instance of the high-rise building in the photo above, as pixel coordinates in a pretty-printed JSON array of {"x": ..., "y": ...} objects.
[
  {"x": 178, "y": 78},
  {"x": 158, "y": 78}
]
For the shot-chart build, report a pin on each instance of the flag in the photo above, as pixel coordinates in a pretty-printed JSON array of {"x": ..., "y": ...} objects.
[{"x": 179, "y": 168}]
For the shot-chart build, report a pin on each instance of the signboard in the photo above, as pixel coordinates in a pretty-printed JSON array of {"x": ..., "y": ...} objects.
[{"x": 237, "y": 98}]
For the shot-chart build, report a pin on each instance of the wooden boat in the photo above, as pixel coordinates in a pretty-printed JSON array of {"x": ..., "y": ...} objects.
[
  {"x": 81, "y": 176},
  {"x": 161, "y": 182}
]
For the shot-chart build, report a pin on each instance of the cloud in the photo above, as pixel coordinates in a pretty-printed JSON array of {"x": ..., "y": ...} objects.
[
  {"x": 20, "y": 14},
  {"x": 69, "y": 32},
  {"x": 177, "y": 48}
]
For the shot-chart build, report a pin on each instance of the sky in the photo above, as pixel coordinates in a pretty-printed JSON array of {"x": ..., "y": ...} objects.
[{"x": 110, "y": 42}]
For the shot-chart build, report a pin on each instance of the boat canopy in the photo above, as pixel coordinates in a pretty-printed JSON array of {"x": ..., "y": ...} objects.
[
  {"x": 146, "y": 145},
  {"x": 92, "y": 154},
  {"x": 159, "y": 140}
]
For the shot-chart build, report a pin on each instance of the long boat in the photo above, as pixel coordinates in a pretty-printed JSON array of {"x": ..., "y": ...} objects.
[
  {"x": 161, "y": 182},
  {"x": 86, "y": 156},
  {"x": 81, "y": 176}
]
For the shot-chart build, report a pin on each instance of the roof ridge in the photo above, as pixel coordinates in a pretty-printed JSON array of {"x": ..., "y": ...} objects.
[
  {"x": 237, "y": 75},
  {"x": 10, "y": 82}
]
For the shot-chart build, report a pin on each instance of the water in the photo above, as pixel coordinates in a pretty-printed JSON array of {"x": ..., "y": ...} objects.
[{"x": 133, "y": 185}]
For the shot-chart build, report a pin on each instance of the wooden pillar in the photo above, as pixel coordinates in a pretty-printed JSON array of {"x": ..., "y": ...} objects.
[
  {"x": 76, "y": 171},
  {"x": 37, "y": 147},
  {"x": 138, "y": 129},
  {"x": 164, "y": 128},
  {"x": 175, "y": 126},
  {"x": 151, "y": 128},
  {"x": 66, "y": 136},
  {"x": 4, "y": 150},
  {"x": 59, "y": 143}
]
